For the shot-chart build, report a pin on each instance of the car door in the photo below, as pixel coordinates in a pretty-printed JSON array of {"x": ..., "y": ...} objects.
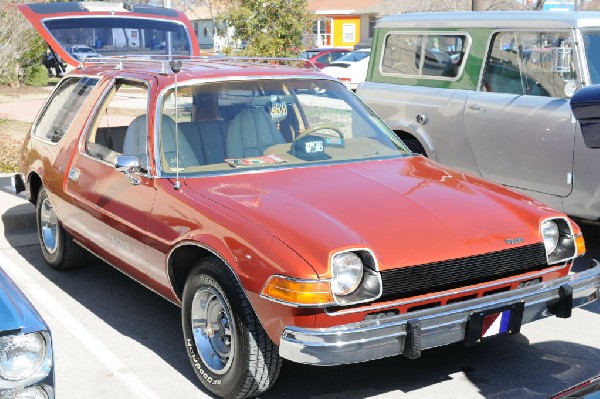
[
  {"x": 110, "y": 210},
  {"x": 519, "y": 125}
]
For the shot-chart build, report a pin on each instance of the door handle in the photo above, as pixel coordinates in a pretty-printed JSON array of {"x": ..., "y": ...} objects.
[{"x": 476, "y": 107}]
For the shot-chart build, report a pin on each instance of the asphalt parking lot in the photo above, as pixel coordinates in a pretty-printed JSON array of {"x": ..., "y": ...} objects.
[{"x": 116, "y": 339}]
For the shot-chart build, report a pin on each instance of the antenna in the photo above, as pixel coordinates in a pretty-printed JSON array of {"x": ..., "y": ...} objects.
[{"x": 176, "y": 68}]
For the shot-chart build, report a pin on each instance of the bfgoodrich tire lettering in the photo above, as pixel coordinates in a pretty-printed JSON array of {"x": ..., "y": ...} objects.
[
  {"x": 58, "y": 248},
  {"x": 229, "y": 350}
]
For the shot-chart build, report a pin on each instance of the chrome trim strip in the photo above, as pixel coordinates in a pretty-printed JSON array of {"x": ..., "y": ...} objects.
[{"x": 379, "y": 338}]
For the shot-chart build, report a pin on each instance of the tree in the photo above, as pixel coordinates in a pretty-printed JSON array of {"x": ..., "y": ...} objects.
[
  {"x": 20, "y": 45},
  {"x": 270, "y": 28}
]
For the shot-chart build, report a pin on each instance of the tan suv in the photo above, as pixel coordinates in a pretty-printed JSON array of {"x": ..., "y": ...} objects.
[{"x": 490, "y": 93}]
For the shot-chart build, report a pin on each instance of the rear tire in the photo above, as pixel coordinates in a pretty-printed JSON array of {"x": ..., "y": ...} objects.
[
  {"x": 58, "y": 247},
  {"x": 231, "y": 353}
]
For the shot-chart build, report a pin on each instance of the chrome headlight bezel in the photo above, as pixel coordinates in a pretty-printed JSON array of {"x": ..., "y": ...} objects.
[
  {"x": 562, "y": 247},
  {"x": 40, "y": 368},
  {"x": 367, "y": 288}
]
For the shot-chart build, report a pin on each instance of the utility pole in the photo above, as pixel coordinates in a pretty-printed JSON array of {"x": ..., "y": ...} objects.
[{"x": 476, "y": 5}]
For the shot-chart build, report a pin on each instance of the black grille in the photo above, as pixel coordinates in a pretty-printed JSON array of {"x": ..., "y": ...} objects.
[{"x": 444, "y": 275}]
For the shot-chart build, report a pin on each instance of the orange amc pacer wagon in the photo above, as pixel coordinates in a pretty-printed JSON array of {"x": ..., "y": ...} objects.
[{"x": 274, "y": 207}]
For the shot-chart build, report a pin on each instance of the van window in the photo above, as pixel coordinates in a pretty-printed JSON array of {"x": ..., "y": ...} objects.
[
  {"x": 62, "y": 107},
  {"x": 435, "y": 55},
  {"x": 521, "y": 63}
]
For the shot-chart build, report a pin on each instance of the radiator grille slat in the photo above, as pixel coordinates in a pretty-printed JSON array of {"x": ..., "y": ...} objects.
[{"x": 455, "y": 273}]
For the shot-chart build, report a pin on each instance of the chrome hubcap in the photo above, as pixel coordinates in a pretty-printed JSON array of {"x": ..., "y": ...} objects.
[
  {"x": 49, "y": 227},
  {"x": 213, "y": 329}
]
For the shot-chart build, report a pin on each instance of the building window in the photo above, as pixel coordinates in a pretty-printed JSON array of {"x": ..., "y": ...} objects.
[{"x": 349, "y": 33}]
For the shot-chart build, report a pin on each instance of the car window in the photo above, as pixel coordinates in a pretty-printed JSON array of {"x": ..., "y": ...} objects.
[
  {"x": 354, "y": 56},
  {"x": 61, "y": 108},
  {"x": 235, "y": 126},
  {"x": 326, "y": 58},
  {"x": 521, "y": 63},
  {"x": 591, "y": 41},
  {"x": 434, "y": 55},
  {"x": 121, "y": 35},
  {"x": 337, "y": 55},
  {"x": 120, "y": 126}
]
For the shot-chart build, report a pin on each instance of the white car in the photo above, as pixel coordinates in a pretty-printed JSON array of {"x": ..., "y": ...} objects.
[
  {"x": 80, "y": 52},
  {"x": 351, "y": 69}
]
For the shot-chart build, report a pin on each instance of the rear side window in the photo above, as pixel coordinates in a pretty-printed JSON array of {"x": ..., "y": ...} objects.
[
  {"x": 424, "y": 54},
  {"x": 62, "y": 107},
  {"x": 521, "y": 63}
]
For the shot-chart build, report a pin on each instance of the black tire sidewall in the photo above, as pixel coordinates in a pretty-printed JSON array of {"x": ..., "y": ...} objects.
[{"x": 225, "y": 385}]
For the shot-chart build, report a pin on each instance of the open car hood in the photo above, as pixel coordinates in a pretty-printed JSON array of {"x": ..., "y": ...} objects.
[{"x": 76, "y": 29}]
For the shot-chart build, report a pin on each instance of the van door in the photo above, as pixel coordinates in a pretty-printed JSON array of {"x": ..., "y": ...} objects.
[{"x": 519, "y": 124}]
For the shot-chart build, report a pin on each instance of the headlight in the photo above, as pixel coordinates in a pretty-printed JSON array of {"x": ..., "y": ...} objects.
[
  {"x": 562, "y": 239},
  {"x": 347, "y": 269},
  {"x": 21, "y": 355},
  {"x": 550, "y": 234}
]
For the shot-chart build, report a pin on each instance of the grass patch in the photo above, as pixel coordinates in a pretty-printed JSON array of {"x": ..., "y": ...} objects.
[{"x": 11, "y": 140}]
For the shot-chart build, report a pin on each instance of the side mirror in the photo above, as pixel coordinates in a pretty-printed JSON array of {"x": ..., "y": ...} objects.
[
  {"x": 585, "y": 105},
  {"x": 128, "y": 164}
]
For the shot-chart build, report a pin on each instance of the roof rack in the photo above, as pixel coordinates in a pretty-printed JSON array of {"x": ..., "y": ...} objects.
[{"x": 119, "y": 62}]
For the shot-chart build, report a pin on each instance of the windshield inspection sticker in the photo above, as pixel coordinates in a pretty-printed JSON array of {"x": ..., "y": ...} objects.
[{"x": 255, "y": 161}]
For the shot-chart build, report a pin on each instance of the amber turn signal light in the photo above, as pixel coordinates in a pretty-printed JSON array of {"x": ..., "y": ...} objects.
[{"x": 298, "y": 292}]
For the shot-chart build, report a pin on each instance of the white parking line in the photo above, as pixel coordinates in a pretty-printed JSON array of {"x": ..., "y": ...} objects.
[{"x": 131, "y": 381}]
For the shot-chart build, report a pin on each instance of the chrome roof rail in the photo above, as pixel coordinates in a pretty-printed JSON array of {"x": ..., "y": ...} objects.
[{"x": 121, "y": 62}]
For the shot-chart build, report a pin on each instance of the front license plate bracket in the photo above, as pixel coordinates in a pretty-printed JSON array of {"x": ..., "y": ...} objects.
[{"x": 505, "y": 320}]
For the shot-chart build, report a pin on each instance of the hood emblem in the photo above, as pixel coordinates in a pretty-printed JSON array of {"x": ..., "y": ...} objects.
[{"x": 513, "y": 241}]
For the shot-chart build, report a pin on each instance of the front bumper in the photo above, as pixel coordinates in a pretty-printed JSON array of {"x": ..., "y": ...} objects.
[{"x": 409, "y": 333}]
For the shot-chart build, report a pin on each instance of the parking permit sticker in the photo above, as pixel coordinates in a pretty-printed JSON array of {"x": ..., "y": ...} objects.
[{"x": 277, "y": 109}]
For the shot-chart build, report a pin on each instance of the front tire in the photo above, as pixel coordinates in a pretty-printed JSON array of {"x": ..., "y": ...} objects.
[
  {"x": 230, "y": 351},
  {"x": 60, "y": 251}
]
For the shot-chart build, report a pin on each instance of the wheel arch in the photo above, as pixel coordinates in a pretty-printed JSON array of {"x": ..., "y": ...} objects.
[
  {"x": 34, "y": 184},
  {"x": 181, "y": 261},
  {"x": 419, "y": 135}
]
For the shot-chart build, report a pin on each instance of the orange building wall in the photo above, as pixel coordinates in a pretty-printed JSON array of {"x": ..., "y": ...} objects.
[{"x": 338, "y": 30}]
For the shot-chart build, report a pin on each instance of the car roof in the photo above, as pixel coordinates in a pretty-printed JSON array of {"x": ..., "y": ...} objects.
[{"x": 491, "y": 19}]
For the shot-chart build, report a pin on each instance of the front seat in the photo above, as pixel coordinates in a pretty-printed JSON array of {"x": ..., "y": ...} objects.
[
  {"x": 136, "y": 138},
  {"x": 250, "y": 133}
]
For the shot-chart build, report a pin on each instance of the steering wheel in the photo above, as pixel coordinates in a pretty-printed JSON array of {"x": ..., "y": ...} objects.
[{"x": 320, "y": 127}]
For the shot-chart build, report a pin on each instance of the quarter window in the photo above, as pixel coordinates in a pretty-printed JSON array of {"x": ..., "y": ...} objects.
[
  {"x": 521, "y": 63},
  {"x": 435, "y": 55},
  {"x": 61, "y": 108}
]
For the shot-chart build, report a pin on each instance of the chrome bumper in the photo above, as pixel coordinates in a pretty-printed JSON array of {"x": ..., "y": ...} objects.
[{"x": 409, "y": 333}]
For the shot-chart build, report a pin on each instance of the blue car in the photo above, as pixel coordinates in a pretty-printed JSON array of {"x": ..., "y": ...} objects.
[{"x": 26, "y": 356}]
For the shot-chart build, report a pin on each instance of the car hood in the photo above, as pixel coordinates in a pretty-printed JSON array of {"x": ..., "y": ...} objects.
[
  {"x": 113, "y": 29},
  {"x": 16, "y": 313},
  {"x": 407, "y": 211}
]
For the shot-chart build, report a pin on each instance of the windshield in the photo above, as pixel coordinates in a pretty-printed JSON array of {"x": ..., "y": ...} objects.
[
  {"x": 236, "y": 126},
  {"x": 591, "y": 41},
  {"x": 354, "y": 56},
  {"x": 308, "y": 54}
]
